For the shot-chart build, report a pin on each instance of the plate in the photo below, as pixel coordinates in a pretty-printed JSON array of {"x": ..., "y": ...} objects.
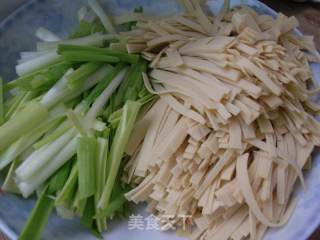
[{"x": 17, "y": 34}]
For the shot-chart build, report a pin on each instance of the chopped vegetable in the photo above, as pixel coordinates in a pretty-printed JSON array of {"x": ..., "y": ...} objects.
[{"x": 234, "y": 124}]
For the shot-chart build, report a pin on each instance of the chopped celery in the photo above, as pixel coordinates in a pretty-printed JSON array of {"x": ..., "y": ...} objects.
[
  {"x": 17, "y": 104},
  {"x": 67, "y": 121},
  {"x": 9, "y": 184},
  {"x": 115, "y": 115},
  {"x": 131, "y": 93},
  {"x": 25, "y": 120},
  {"x": 97, "y": 106},
  {"x": 128, "y": 88},
  {"x": 76, "y": 56},
  {"x": 98, "y": 89},
  {"x": 96, "y": 7},
  {"x": 59, "y": 179},
  {"x": 86, "y": 28},
  {"x": 69, "y": 189},
  {"x": 37, "y": 63},
  {"x": 65, "y": 154},
  {"x": 130, "y": 112},
  {"x": 78, "y": 204},
  {"x": 44, "y": 206},
  {"x": 38, "y": 218},
  {"x": 53, "y": 136},
  {"x": 146, "y": 99},
  {"x": 15, "y": 149},
  {"x": 101, "y": 179},
  {"x": 46, "y": 35},
  {"x": 96, "y": 39},
  {"x": 112, "y": 207},
  {"x": 86, "y": 154},
  {"x": 77, "y": 78},
  {"x": 83, "y": 50},
  {"x": 128, "y": 26},
  {"x": 1, "y": 102},
  {"x": 39, "y": 158},
  {"x": 42, "y": 79},
  {"x": 87, "y": 217},
  {"x": 76, "y": 123}
]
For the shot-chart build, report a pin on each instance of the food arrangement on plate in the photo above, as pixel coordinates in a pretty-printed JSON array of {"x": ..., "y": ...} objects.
[{"x": 209, "y": 117}]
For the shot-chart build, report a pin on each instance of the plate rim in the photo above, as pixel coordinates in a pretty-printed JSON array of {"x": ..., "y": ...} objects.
[{"x": 307, "y": 230}]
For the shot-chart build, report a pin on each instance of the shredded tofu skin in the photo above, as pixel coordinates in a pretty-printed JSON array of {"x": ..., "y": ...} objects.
[{"x": 234, "y": 124}]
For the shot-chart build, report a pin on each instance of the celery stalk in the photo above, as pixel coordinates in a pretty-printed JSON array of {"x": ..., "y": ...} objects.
[
  {"x": 18, "y": 103},
  {"x": 95, "y": 39},
  {"x": 86, "y": 28},
  {"x": 28, "y": 187},
  {"x": 37, "y": 63},
  {"x": 96, "y": 7},
  {"x": 1, "y": 102},
  {"x": 69, "y": 189},
  {"x": 76, "y": 123},
  {"x": 38, "y": 218},
  {"x": 65, "y": 126},
  {"x": 58, "y": 180},
  {"x": 98, "y": 89},
  {"x": 112, "y": 207},
  {"x": 15, "y": 149},
  {"x": 91, "y": 81},
  {"x": 75, "y": 56},
  {"x": 25, "y": 120},
  {"x": 40, "y": 157},
  {"x": 130, "y": 112},
  {"x": 87, "y": 217},
  {"x": 9, "y": 184},
  {"x": 101, "y": 179},
  {"x": 125, "y": 57},
  {"x": 77, "y": 78},
  {"x": 87, "y": 155},
  {"x": 44, "y": 206},
  {"x": 78, "y": 204},
  {"x": 99, "y": 103},
  {"x": 41, "y": 79}
]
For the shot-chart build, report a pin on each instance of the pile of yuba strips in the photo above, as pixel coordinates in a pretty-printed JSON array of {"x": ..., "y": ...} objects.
[{"x": 234, "y": 125}]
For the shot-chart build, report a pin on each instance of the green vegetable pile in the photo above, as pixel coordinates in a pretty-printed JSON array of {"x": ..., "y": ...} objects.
[{"x": 65, "y": 122}]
